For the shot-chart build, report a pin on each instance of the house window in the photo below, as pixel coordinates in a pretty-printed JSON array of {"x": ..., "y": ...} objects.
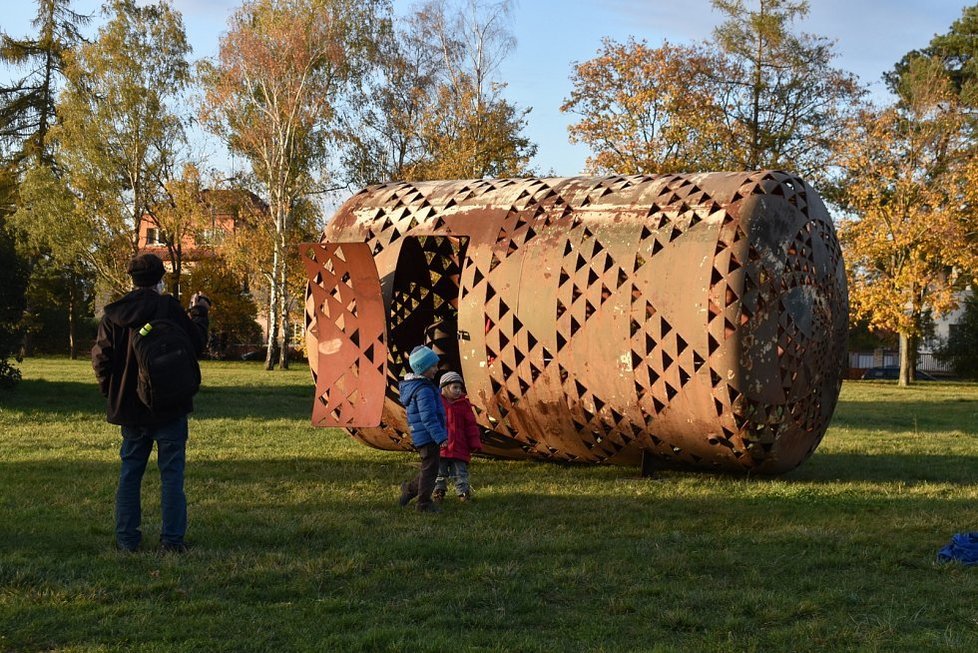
[
  {"x": 152, "y": 236},
  {"x": 954, "y": 330},
  {"x": 213, "y": 236}
]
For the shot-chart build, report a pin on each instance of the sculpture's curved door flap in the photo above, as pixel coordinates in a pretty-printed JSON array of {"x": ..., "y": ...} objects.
[{"x": 345, "y": 334}]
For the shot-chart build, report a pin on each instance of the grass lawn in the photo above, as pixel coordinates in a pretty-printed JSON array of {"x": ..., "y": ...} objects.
[{"x": 300, "y": 546}]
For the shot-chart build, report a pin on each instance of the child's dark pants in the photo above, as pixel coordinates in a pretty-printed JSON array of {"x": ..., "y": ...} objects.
[{"x": 422, "y": 484}]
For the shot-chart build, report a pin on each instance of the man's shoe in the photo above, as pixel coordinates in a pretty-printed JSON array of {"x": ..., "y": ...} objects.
[
  {"x": 174, "y": 547},
  {"x": 438, "y": 496},
  {"x": 126, "y": 549},
  {"x": 428, "y": 507},
  {"x": 406, "y": 495}
]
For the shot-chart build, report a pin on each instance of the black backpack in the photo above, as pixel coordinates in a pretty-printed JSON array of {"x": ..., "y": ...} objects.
[{"x": 169, "y": 373}]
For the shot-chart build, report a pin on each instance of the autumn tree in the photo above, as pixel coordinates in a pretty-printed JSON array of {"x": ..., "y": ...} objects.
[
  {"x": 181, "y": 215},
  {"x": 272, "y": 94},
  {"x": 249, "y": 248},
  {"x": 118, "y": 138},
  {"x": 908, "y": 191},
  {"x": 757, "y": 96},
  {"x": 381, "y": 130},
  {"x": 233, "y": 320},
  {"x": 786, "y": 104},
  {"x": 435, "y": 108},
  {"x": 471, "y": 131},
  {"x": 647, "y": 110}
]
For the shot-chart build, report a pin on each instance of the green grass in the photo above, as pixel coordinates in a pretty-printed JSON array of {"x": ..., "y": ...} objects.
[{"x": 300, "y": 545}]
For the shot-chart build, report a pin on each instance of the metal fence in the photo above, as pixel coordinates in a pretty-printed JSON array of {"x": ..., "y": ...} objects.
[{"x": 926, "y": 361}]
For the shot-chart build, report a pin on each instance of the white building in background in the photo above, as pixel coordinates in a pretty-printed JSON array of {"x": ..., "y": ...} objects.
[
  {"x": 946, "y": 323},
  {"x": 926, "y": 361}
]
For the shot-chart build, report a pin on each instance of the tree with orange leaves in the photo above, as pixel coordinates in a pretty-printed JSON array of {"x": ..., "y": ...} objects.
[
  {"x": 759, "y": 95},
  {"x": 909, "y": 181},
  {"x": 647, "y": 110}
]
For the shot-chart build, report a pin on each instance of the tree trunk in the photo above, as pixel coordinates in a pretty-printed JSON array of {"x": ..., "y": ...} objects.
[
  {"x": 907, "y": 357},
  {"x": 177, "y": 262},
  {"x": 72, "y": 341},
  {"x": 272, "y": 313},
  {"x": 26, "y": 343},
  {"x": 283, "y": 299}
]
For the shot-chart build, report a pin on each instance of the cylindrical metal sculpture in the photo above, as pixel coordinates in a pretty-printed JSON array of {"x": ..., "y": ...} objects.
[{"x": 695, "y": 320}]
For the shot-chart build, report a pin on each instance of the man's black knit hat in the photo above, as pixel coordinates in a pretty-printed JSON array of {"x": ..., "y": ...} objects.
[{"x": 146, "y": 270}]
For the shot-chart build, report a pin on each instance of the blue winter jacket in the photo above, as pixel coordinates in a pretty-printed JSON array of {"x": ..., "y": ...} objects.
[{"x": 425, "y": 410}]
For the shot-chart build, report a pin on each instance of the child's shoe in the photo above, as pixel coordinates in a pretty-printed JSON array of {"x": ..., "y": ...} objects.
[
  {"x": 406, "y": 495},
  {"x": 438, "y": 496},
  {"x": 465, "y": 497}
]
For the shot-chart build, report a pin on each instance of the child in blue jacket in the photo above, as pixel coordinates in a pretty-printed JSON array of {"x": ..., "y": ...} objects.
[{"x": 426, "y": 419}]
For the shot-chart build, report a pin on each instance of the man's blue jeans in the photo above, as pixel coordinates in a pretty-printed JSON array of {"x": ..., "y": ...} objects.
[{"x": 137, "y": 443}]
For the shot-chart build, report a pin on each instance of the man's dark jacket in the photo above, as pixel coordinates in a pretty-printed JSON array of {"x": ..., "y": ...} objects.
[{"x": 115, "y": 363}]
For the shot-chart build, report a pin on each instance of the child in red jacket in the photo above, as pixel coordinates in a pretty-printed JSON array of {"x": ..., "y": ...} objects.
[{"x": 463, "y": 439}]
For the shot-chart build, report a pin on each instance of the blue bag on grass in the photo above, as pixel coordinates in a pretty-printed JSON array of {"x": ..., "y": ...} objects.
[{"x": 963, "y": 548}]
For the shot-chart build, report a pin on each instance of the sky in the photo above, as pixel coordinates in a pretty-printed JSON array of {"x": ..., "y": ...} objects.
[{"x": 870, "y": 36}]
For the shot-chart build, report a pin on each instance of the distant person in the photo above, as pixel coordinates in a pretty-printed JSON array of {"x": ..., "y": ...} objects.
[
  {"x": 426, "y": 419},
  {"x": 463, "y": 439},
  {"x": 146, "y": 373}
]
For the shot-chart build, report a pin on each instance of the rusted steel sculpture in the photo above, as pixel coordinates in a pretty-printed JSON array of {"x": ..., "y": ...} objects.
[{"x": 691, "y": 320}]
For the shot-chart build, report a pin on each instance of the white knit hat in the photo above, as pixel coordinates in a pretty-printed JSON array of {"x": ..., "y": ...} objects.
[{"x": 450, "y": 377}]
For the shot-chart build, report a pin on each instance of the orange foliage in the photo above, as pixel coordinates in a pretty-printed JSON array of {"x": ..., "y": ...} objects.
[
  {"x": 909, "y": 185},
  {"x": 647, "y": 110}
]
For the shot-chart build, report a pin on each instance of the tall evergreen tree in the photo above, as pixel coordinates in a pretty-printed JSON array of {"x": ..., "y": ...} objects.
[
  {"x": 12, "y": 287},
  {"x": 785, "y": 102},
  {"x": 119, "y": 138},
  {"x": 957, "y": 50},
  {"x": 27, "y": 114},
  {"x": 27, "y": 107}
]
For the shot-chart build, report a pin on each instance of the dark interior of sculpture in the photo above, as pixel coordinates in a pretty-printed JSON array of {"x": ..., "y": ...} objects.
[{"x": 424, "y": 300}]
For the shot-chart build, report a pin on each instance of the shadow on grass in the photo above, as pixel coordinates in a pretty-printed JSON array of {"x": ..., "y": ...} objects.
[
  {"x": 286, "y": 558},
  {"x": 52, "y": 396},
  {"x": 241, "y": 501},
  {"x": 224, "y": 402},
  {"x": 294, "y": 402}
]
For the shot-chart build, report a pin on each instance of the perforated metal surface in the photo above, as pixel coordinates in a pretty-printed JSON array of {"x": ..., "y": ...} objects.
[{"x": 700, "y": 318}]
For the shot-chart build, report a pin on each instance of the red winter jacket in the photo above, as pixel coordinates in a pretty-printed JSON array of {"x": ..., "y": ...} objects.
[{"x": 463, "y": 432}]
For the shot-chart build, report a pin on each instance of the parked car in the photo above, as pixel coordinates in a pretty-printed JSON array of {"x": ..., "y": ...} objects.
[
  {"x": 295, "y": 354},
  {"x": 892, "y": 374}
]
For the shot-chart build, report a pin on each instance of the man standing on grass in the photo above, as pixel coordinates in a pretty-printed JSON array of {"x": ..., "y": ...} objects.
[{"x": 145, "y": 413}]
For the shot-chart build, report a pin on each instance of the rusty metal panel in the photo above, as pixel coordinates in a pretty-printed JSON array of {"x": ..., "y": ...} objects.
[
  {"x": 698, "y": 319},
  {"x": 345, "y": 336}
]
